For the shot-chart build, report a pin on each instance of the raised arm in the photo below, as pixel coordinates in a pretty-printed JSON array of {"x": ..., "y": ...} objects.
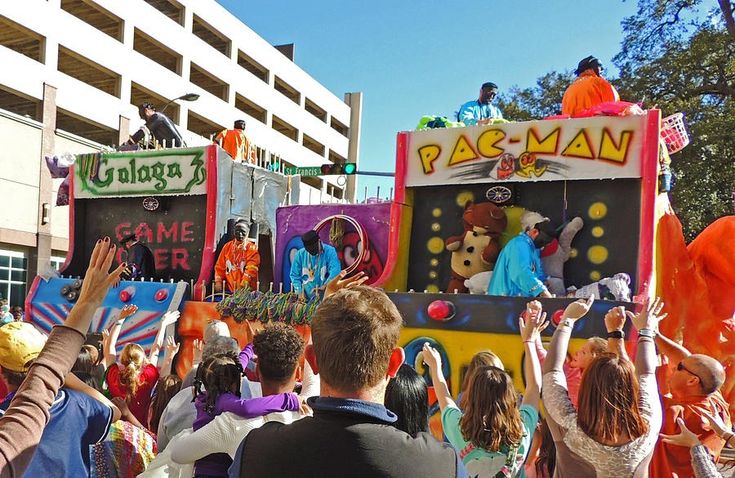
[
  {"x": 560, "y": 341},
  {"x": 22, "y": 424},
  {"x": 172, "y": 348},
  {"x": 531, "y": 328},
  {"x": 615, "y": 323},
  {"x": 110, "y": 348},
  {"x": 167, "y": 319},
  {"x": 433, "y": 360},
  {"x": 674, "y": 351},
  {"x": 646, "y": 322}
]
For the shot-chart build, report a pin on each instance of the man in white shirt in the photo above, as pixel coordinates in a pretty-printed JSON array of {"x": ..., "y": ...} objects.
[{"x": 279, "y": 349}]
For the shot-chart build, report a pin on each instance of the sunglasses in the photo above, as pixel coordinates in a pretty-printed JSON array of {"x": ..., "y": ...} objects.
[{"x": 680, "y": 366}]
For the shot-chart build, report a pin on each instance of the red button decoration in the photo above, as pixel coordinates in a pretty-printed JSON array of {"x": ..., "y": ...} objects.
[
  {"x": 161, "y": 295},
  {"x": 440, "y": 310}
]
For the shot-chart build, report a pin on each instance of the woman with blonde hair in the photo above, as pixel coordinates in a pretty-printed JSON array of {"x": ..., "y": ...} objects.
[
  {"x": 614, "y": 430},
  {"x": 133, "y": 377},
  {"x": 493, "y": 432},
  {"x": 483, "y": 358}
]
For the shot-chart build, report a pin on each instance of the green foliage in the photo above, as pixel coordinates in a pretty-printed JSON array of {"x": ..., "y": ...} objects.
[{"x": 676, "y": 56}]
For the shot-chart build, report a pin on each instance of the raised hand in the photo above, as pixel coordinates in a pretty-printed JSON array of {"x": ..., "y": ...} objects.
[
  {"x": 715, "y": 423},
  {"x": 431, "y": 358},
  {"x": 615, "y": 319},
  {"x": 578, "y": 309},
  {"x": 97, "y": 280},
  {"x": 685, "y": 437},
  {"x": 533, "y": 308},
  {"x": 532, "y": 327},
  {"x": 169, "y": 318},
  {"x": 127, "y": 311},
  {"x": 340, "y": 282},
  {"x": 649, "y": 316},
  {"x": 198, "y": 347},
  {"x": 172, "y": 348}
]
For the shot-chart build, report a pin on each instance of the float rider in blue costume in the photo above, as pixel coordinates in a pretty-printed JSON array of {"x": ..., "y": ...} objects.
[
  {"x": 313, "y": 266},
  {"x": 518, "y": 271}
]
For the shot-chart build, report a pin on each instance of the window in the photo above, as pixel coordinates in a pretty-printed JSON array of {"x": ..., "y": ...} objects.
[
  {"x": 246, "y": 106},
  {"x": 314, "y": 145},
  {"x": 89, "y": 72},
  {"x": 339, "y": 127},
  {"x": 210, "y": 36},
  {"x": 287, "y": 90},
  {"x": 171, "y": 9},
  {"x": 336, "y": 158},
  {"x": 315, "y": 110},
  {"x": 258, "y": 70},
  {"x": 207, "y": 82},
  {"x": 22, "y": 40},
  {"x": 20, "y": 104},
  {"x": 98, "y": 17},
  {"x": 13, "y": 269},
  {"x": 150, "y": 48},
  {"x": 335, "y": 191},
  {"x": 71, "y": 123},
  {"x": 202, "y": 126},
  {"x": 140, "y": 94},
  {"x": 57, "y": 262},
  {"x": 284, "y": 128}
]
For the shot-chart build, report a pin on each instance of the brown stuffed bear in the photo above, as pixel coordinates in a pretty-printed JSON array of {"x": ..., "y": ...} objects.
[{"x": 477, "y": 249}]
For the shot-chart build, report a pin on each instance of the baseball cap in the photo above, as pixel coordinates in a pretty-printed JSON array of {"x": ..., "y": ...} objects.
[
  {"x": 530, "y": 219},
  {"x": 20, "y": 342}
]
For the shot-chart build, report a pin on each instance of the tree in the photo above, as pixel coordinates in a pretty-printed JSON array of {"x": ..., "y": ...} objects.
[{"x": 680, "y": 58}]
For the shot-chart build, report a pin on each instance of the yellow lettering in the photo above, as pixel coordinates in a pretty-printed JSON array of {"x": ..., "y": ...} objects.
[
  {"x": 611, "y": 151},
  {"x": 486, "y": 143},
  {"x": 547, "y": 145},
  {"x": 579, "y": 147},
  {"x": 428, "y": 155},
  {"x": 463, "y": 152}
]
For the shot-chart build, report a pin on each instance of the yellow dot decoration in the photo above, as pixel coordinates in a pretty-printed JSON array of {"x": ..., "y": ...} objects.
[
  {"x": 597, "y": 254},
  {"x": 435, "y": 245},
  {"x": 432, "y": 288},
  {"x": 597, "y": 210},
  {"x": 436, "y": 227},
  {"x": 573, "y": 252},
  {"x": 598, "y": 231},
  {"x": 434, "y": 262},
  {"x": 432, "y": 275},
  {"x": 436, "y": 212},
  {"x": 595, "y": 275},
  {"x": 463, "y": 197}
]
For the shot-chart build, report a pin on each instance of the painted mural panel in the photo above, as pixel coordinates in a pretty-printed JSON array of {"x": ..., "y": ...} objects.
[{"x": 588, "y": 148}]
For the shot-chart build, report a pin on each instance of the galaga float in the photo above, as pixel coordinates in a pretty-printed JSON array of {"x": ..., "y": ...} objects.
[{"x": 460, "y": 196}]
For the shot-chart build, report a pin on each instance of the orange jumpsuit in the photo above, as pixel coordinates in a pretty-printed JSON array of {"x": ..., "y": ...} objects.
[
  {"x": 587, "y": 91},
  {"x": 237, "y": 144},
  {"x": 238, "y": 265}
]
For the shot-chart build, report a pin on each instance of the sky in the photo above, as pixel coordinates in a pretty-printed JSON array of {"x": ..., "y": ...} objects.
[{"x": 416, "y": 58}]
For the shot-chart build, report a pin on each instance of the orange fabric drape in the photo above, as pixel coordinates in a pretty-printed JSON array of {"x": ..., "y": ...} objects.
[{"x": 587, "y": 91}]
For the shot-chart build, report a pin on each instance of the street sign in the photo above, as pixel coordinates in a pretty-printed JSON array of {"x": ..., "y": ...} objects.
[{"x": 303, "y": 171}]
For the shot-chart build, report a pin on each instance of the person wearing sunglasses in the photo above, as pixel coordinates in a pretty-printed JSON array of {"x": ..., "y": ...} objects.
[
  {"x": 481, "y": 111},
  {"x": 518, "y": 271},
  {"x": 693, "y": 394}
]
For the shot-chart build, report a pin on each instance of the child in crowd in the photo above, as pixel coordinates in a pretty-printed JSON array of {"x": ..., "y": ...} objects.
[
  {"x": 408, "y": 397},
  {"x": 492, "y": 435},
  {"x": 217, "y": 390},
  {"x": 166, "y": 388},
  {"x": 133, "y": 379},
  {"x": 484, "y": 358}
]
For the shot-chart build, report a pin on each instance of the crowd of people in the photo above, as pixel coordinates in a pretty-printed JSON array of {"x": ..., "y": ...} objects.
[{"x": 345, "y": 403}]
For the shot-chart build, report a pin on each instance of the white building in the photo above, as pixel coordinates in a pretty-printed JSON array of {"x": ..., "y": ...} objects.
[{"x": 73, "y": 72}]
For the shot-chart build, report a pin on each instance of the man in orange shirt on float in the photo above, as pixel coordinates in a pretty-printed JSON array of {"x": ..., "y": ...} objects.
[
  {"x": 588, "y": 90},
  {"x": 236, "y": 143},
  {"x": 239, "y": 261}
]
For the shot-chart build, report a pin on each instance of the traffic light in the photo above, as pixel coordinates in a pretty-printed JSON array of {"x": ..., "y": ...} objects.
[{"x": 337, "y": 169}]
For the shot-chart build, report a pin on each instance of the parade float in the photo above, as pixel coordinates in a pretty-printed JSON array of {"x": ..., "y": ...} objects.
[{"x": 457, "y": 191}]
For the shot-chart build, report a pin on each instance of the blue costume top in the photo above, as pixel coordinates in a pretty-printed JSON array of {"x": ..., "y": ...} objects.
[
  {"x": 473, "y": 111},
  {"x": 518, "y": 270},
  {"x": 309, "y": 272}
]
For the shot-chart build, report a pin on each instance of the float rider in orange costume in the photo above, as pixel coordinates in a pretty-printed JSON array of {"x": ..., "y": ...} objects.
[
  {"x": 236, "y": 143},
  {"x": 588, "y": 90},
  {"x": 238, "y": 263}
]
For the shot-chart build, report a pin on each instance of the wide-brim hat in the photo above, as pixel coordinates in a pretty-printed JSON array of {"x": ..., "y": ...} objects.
[
  {"x": 129, "y": 237},
  {"x": 310, "y": 238}
]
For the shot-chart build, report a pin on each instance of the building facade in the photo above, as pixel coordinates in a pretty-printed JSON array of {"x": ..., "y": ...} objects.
[{"x": 74, "y": 72}]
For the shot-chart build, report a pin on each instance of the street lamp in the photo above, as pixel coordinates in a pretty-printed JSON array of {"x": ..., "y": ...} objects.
[{"x": 186, "y": 97}]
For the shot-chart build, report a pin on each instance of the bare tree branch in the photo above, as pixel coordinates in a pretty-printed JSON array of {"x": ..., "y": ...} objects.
[{"x": 727, "y": 13}]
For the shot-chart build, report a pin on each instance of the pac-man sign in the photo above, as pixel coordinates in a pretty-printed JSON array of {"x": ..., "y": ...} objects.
[{"x": 588, "y": 148}]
